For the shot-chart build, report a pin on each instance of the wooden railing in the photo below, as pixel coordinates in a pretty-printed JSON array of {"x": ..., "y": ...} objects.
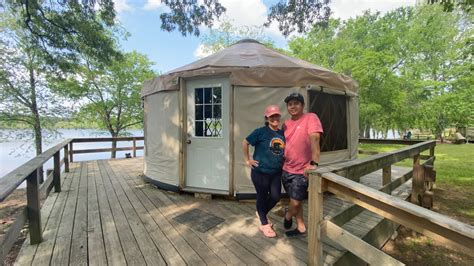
[
  {"x": 134, "y": 147},
  {"x": 342, "y": 180},
  {"x": 36, "y": 192}
]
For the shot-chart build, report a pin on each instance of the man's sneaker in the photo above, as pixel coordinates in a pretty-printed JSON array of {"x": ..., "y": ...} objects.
[
  {"x": 267, "y": 230},
  {"x": 287, "y": 223},
  {"x": 295, "y": 233}
]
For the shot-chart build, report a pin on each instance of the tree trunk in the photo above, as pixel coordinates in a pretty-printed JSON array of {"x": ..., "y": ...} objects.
[
  {"x": 400, "y": 134},
  {"x": 114, "y": 145},
  {"x": 37, "y": 121},
  {"x": 367, "y": 131}
]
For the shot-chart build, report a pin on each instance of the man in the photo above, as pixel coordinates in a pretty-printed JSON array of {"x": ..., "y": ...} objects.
[{"x": 302, "y": 152}]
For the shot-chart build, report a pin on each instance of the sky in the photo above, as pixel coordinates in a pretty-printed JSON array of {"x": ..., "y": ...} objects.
[{"x": 170, "y": 50}]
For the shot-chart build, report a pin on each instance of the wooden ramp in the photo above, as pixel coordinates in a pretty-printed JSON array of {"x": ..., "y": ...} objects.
[{"x": 106, "y": 214}]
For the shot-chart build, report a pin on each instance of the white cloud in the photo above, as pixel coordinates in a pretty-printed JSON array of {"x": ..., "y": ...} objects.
[
  {"x": 152, "y": 4},
  {"x": 345, "y": 9},
  {"x": 200, "y": 52},
  {"x": 245, "y": 13},
  {"x": 122, "y": 5}
]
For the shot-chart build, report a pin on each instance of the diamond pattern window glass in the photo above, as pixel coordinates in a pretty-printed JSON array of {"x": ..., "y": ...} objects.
[{"x": 208, "y": 112}]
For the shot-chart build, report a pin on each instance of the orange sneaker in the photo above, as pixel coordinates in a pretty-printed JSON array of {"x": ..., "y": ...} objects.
[{"x": 267, "y": 230}]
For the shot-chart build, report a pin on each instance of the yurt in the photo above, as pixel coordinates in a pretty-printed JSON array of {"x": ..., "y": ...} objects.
[{"x": 197, "y": 116}]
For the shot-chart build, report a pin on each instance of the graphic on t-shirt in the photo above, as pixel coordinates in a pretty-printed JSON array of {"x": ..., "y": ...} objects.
[{"x": 277, "y": 146}]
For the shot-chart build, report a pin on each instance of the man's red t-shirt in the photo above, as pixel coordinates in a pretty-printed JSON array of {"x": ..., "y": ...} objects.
[{"x": 298, "y": 145}]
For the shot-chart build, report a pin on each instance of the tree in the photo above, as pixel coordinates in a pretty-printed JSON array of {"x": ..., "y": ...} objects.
[
  {"x": 24, "y": 94},
  {"x": 450, "y": 5},
  {"x": 413, "y": 65},
  {"x": 63, "y": 30},
  {"x": 299, "y": 15},
  {"x": 110, "y": 94},
  {"x": 354, "y": 47}
]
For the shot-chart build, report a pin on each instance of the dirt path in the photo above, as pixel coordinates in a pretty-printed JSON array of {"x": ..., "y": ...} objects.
[{"x": 8, "y": 210}]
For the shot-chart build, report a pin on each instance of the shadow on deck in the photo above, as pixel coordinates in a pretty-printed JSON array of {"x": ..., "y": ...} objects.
[{"x": 106, "y": 214}]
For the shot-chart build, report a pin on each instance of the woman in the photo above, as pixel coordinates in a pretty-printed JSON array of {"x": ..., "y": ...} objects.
[{"x": 267, "y": 162}]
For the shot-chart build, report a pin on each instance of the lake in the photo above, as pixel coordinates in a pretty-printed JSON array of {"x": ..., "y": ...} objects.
[{"x": 15, "y": 152}]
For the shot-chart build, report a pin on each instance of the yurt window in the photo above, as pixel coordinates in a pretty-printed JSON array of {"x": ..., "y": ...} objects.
[
  {"x": 332, "y": 112},
  {"x": 208, "y": 112}
]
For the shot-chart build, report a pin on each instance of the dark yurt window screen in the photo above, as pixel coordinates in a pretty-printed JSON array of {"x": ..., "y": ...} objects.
[
  {"x": 332, "y": 111},
  {"x": 208, "y": 112}
]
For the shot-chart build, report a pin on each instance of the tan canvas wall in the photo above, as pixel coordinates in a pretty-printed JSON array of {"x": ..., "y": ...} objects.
[{"x": 162, "y": 137}]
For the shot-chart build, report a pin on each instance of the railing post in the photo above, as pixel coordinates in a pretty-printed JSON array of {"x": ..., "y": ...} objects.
[
  {"x": 71, "y": 151},
  {"x": 134, "y": 147},
  {"x": 417, "y": 181},
  {"x": 386, "y": 175},
  {"x": 66, "y": 159},
  {"x": 57, "y": 172},
  {"x": 432, "y": 154},
  {"x": 33, "y": 206},
  {"x": 315, "y": 220}
]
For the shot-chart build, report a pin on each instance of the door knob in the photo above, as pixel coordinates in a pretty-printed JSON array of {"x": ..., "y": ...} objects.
[{"x": 188, "y": 141}]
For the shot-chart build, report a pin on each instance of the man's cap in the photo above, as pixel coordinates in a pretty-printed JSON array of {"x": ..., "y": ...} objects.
[
  {"x": 272, "y": 110},
  {"x": 295, "y": 96}
]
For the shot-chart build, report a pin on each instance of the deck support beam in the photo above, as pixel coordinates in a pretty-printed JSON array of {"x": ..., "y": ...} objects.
[
  {"x": 33, "y": 205},
  {"x": 66, "y": 159},
  {"x": 386, "y": 175},
  {"x": 57, "y": 172},
  {"x": 315, "y": 220}
]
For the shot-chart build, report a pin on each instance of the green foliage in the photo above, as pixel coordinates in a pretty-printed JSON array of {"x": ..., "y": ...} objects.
[
  {"x": 450, "y": 5},
  {"x": 413, "y": 65},
  {"x": 188, "y": 15},
  {"x": 109, "y": 95},
  {"x": 25, "y": 99},
  {"x": 64, "y": 30},
  {"x": 299, "y": 15}
]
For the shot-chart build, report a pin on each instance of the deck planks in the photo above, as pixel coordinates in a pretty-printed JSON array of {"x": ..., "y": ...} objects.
[
  {"x": 78, "y": 255},
  {"x": 96, "y": 247},
  {"x": 107, "y": 215}
]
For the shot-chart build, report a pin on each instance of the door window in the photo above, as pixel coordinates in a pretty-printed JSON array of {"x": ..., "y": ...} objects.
[{"x": 208, "y": 112}]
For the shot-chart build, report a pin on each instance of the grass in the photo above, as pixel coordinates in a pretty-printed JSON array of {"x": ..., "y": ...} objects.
[
  {"x": 453, "y": 196},
  {"x": 454, "y": 163}
]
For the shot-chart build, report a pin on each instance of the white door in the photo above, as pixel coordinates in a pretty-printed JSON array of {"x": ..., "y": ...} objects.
[{"x": 207, "y": 148}]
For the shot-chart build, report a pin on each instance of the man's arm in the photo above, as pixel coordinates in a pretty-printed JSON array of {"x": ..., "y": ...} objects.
[
  {"x": 315, "y": 148},
  {"x": 315, "y": 151}
]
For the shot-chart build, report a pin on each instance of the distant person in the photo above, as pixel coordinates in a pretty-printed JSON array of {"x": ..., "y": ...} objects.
[
  {"x": 302, "y": 152},
  {"x": 267, "y": 162},
  {"x": 407, "y": 135}
]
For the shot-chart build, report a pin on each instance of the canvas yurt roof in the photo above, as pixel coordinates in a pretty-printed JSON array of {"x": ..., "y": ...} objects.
[{"x": 250, "y": 63}]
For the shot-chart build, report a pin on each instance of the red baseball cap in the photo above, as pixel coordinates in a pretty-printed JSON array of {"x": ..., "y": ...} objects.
[{"x": 272, "y": 110}]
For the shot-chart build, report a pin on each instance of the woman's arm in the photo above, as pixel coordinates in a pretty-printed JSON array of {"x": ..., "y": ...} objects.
[{"x": 245, "y": 148}]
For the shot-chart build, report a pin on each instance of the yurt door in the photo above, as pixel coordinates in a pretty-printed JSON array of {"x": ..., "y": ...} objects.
[{"x": 207, "y": 140}]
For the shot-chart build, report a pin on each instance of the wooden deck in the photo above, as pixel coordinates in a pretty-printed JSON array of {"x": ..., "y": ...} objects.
[{"x": 106, "y": 214}]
